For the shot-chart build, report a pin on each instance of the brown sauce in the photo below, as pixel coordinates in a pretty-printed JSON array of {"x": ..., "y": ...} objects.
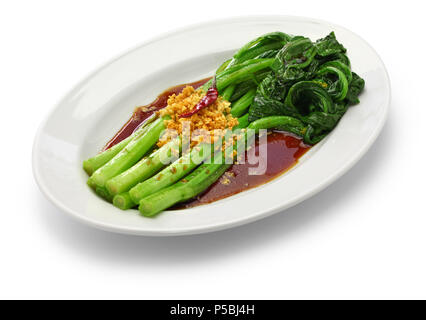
[{"x": 283, "y": 152}]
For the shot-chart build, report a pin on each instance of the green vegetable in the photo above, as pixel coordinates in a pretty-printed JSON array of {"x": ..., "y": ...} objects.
[
  {"x": 242, "y": 72},
  {"x": 92, "y": 164},
  {"x": 310, "y": 82},
  {"x": 283, "y": 123},
  {"x": 269, "y": 100},
  {"x": 240, "y": 107},
  {"x": 329, "y": 46},
  {"x": 144, "y": 169},
  {"x": 239, "y": 73},
  {"x": 355, "y": 88},
  {"x": 103, "y": 193},
  {"x": 299, "y": 53},
  {"x": 193, "y": 184},
  {"x": 223, "y": 66},
  {"x": 123, "y": 201},
  {"x": 336, "y": 76},
  {"x": 177, "y": 170},
  {"x": 275, "y": 81},
  {"x": 227, "y": 93},
  {"x": 245, "y": 86},
  {"x": 308, "y": 96},
  {"x": 198, "y": 181},
  {"x": 242, "y": 122},
  {"x": 262, "y": 47},
  {"x": 127, "y": 157},
  {"x": 339, "y": 65}
]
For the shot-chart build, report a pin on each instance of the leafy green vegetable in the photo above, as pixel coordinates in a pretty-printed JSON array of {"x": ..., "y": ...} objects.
[
  {"x": 264, "y": 107},
  {"x": 243, "y": 87},
  {"x": 309, "y": 82},
  {"x": 329, "y": 45},
  {"x": 283, "y": 123},
  {"x": 355, "y": 88},
  {"x": 299, "y": 53},
  {"x": 275, "y": 81},
  {"x": 262, "y": 47},
  {"x": 308, "y": 96}
]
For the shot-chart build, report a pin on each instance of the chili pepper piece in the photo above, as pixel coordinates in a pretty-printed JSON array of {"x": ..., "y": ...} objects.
[{"x": 210, "y": 98}]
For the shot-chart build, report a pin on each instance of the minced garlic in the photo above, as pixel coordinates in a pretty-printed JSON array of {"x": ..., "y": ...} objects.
[{"x": 217, "y": 116}]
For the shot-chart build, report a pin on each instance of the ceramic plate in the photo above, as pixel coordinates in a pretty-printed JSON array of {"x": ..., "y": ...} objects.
[{"x": 96, "y": 108}]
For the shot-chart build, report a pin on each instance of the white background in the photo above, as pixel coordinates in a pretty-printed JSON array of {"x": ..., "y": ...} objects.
[{"x": 363, "y": 237}]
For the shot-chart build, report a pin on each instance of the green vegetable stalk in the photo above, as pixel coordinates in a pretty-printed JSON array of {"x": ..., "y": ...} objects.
[
  {"x": 92, "y": 164},
  {"x": 198, "y": 181},
  {"x": 172, "y": 173},
  {"x": 193, "y": 184},
  {"x": 241, "y": 106},
  {"x": 127, "y": 157},
  {"x": 275, "y": 81},
  {"x": 123, "y": 201},
  {"x": 310, "y": 82},
  {"x": 144, "y": 169}
]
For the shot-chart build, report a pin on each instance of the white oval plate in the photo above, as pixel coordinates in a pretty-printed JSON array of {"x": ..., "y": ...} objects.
[{"x": 97, "y": 107}]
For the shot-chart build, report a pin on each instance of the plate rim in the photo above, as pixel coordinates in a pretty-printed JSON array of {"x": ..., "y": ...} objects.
[{"x": 227, "y": 224}]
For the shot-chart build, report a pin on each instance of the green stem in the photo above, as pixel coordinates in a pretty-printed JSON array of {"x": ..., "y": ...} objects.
[
  {"x": 92, "y": 164},
  {"x": 223, "y": 66},
  {"x": 123, "y": 201},
  {"x": 227, "y": 93},
  {"x": 283, "y": 123},
  {"x": 172, "y": 173},
  {"x": 254, "y": 52},
  {"x": 198, "y": 181},
  {"x": 242, "y": 73},
  {"x": 195, "y": 183},
  {"x": 132, "y": 153},
  {"x": 240, "y": 107},
  {"x": 239, "y": 73},
  {"x": 243, "y": 87},
  {"x": 103, "y": 193},
  {"x": 243, "y": 122},
  {"x": 144, "y": 169}
]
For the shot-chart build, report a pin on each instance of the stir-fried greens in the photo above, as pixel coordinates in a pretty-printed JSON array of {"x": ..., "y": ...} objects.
[
  {"x": 276, "y": 81},
  {"x": 310, "y": 82}
]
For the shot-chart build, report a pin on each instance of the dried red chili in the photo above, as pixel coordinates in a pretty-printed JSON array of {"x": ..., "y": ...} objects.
[{"x": 210, "y": 97}]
